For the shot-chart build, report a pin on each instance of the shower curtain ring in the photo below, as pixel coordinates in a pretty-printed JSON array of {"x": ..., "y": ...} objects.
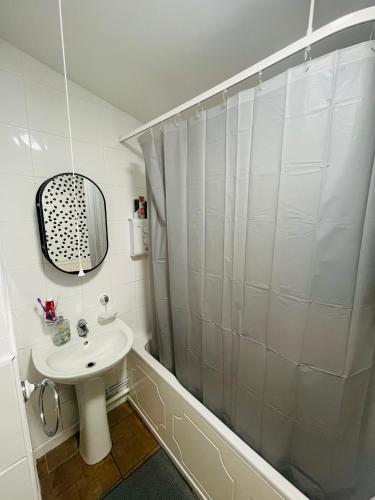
[
  {"x": 177, "y": 118},
  {"x": 307, "y": 57},
  {"x": 260, "y": 79},
  {"x": 198, "y": 110},
  {"x": 225, "y": 97}
]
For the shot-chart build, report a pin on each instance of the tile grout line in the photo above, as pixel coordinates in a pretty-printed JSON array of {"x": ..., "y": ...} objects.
[{"x": 118, "y": 469}]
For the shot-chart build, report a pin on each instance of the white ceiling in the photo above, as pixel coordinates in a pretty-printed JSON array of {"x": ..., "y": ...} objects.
[{"x": 147, "y": 56}]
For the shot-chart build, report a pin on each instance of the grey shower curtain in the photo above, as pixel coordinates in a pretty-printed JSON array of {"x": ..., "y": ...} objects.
[{"x": 263, "y": 266}]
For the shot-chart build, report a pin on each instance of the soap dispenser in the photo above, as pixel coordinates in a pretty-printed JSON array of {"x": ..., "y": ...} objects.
[{"x": 61, "y": 331}]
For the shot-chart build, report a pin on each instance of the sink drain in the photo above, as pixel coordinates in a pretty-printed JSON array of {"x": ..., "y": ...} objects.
[{"x": 91, "y": 364}]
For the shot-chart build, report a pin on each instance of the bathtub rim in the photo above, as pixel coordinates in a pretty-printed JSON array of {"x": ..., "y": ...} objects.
[{"x": 278, "y": 482}]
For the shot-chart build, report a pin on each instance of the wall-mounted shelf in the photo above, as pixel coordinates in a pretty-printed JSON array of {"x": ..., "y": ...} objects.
[{"x": 139, "y": 237}]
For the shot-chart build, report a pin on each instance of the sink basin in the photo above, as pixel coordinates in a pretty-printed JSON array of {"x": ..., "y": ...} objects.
[
  {"x": 83, "y": 358},
  {"x": 83, "y": 362}
]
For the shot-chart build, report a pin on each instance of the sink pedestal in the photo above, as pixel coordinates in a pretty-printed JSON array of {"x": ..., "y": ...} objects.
[
  {"x": 83, "y": 362},
  {"x": 94, "y": 440}
]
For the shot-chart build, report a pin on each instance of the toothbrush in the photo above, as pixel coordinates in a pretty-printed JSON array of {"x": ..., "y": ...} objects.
[{"x": 41, "y": 303}]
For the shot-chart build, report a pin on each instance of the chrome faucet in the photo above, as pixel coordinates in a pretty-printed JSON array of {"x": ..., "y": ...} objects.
[{"x": 82, "y": 328}]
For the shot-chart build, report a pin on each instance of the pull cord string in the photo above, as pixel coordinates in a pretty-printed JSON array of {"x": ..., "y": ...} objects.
[
  {"x": 311, "y": 17},
  {"x": 308, "y": 32},
  {"x": 78, "y": 238}
]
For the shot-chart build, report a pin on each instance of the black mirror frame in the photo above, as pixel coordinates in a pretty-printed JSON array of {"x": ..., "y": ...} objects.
[{"x": 41, "y": 225}]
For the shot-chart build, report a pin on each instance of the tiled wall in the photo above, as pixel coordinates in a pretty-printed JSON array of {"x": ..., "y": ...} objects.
[
  {"x": 34, "y": 146},
  {"x": 17, "y": 474}
]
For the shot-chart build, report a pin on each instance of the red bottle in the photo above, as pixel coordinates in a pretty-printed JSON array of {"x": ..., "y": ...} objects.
[
  {"x": 141, "y": 210},
  {"x": 50, "y": 310}
]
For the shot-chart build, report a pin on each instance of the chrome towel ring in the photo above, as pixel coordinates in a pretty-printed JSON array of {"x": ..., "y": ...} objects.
[{"x": 54, "y": 388}]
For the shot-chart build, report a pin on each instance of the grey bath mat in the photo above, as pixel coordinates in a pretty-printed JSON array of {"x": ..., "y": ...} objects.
[{"x": 156, "y": 479}]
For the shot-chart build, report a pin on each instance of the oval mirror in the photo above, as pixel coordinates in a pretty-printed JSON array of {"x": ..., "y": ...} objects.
[{"x": 72, "y": 222}]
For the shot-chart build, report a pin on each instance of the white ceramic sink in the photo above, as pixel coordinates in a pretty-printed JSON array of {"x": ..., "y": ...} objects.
[
  {"x": 83, "y": 358},
  {"x": 83, "y": 362}
]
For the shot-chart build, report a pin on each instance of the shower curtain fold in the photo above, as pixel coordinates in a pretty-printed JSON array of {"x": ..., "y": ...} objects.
[
  {"x": 162, "y": 344},
  {"x": 263, "y": 258}
]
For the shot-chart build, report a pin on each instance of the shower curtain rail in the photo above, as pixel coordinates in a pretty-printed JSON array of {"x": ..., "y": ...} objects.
[{"x": 359, "y": 17}]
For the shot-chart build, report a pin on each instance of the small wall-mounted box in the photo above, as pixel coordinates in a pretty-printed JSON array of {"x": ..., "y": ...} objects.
[{"x": 139, "y": 237}]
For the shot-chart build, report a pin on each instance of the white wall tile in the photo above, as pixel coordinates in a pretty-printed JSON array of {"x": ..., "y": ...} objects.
[
  {"x": 118, "y": 167},
  {"x": 139, "y": 175},
  {"x": 142, "y": 268},
  {"x": 118, "y": 236},
  {"x": 69, "y": 414},
  {"x": 66, "y": 393},
  {"x": 15, "y": 156},
  {"x": 142, "y": 294},
  {"x": 86, "y": 121},
  {"x": 71, "y": 307},
  {"x": 138, "y": 191},
  {"x": 110, "y": 377},
  {"x": 144, "y": 321},
  {"x": 26, "y": 284},
  {"x": 27, "y": 368},
  {"x": 114, "y": 125},
  {"x": 95, "y": 284},
  {"x": 46, "y": 109},
  {"x": 17, "y": 198},
  {"x": 11, "y": 449},
  {"x": 130, "y": 318},
  {"x": 88, "y": 160},
  {"x": 28, "y": 371},
  {"x": 10, "y": 57},
  {"x": 122, "y": 269},
  {"x": 119, "y": 201},
  {"x": 20, "y": 245},
  {"x": 16, "y": 482},
  {"x": 59, "y": 284},
  {"x": 29, "y": 326},
  {"x": 33, "y": 147},
  {"x": 124, "y": 297},
  {"x": 12, "y": 99},
  {"x": 38, "y": 437},
  {"x": 35, "y": 70},
  {"x": 76, "y": 90},
  {"x": 50, "y": 155},
  {"x": 122, "y": 370},
  {"x": 136, "y": 164}
]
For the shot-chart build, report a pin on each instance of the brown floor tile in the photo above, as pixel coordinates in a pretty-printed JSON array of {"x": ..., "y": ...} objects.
[
  {"x": 41, "y": 465},
  {"x": 133, "y": 452},
  {"x": 89, "y": 489},
  {"x": 71, "y": 493},
  {"x": 64, "y": 475},
  {"x": 126, "y": 428},
  {"x": 61, "y": 453},
  {"x": 105, "y": 472},
  {"x": 149, "y": 442},
  {"x": 46, "y": 488},
  {"x": 119, "y": 413}
]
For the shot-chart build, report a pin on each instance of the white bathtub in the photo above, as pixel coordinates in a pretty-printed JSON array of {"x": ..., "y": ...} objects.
[{"x": 214, "y": 460}]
